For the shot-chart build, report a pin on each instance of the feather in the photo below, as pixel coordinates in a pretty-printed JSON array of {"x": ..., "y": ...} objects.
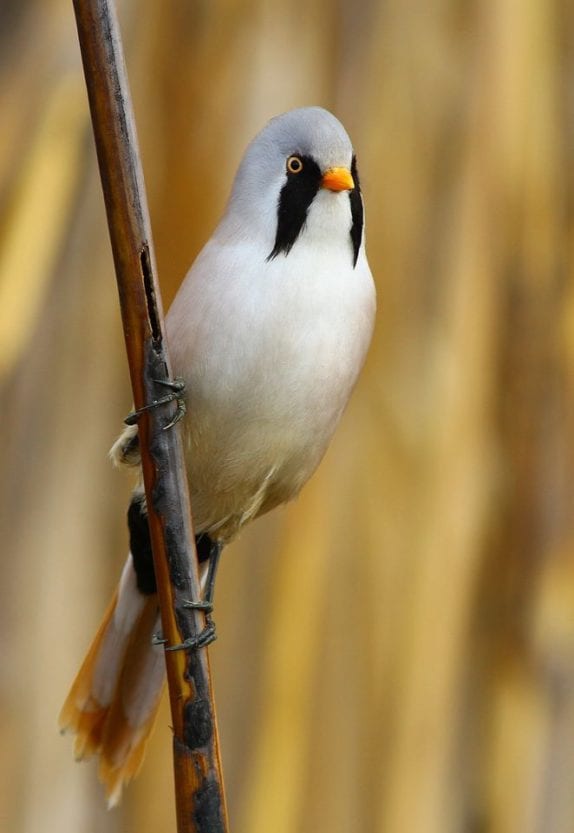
[{"x": 113, "y": 702}]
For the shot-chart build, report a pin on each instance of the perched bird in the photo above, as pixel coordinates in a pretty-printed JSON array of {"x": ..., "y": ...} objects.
[{"x": 269, "y": 331}]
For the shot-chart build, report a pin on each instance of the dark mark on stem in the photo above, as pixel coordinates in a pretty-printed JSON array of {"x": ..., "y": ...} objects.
[{"x": 150, "y": 295}]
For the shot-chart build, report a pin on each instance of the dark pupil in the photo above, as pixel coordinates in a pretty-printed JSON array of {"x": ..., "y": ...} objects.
[{"x": 296, "y": 165}]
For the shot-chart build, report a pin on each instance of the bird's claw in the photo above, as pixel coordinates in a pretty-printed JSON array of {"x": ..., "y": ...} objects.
[
  {"x": 206, "y": 606},
  {"x": 157, "y": 639},
  {"x": 194, "y": 643},
  {"x": 176, "y": 394},
  {"x": 202, "y": 640}
]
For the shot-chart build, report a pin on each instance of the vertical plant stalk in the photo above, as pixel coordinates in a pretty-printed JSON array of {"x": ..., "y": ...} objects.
[{"x": 200, "y": 798}]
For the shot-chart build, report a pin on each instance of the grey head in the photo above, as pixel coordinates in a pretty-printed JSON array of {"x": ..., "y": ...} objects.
[{"x": 284, "y": 173}]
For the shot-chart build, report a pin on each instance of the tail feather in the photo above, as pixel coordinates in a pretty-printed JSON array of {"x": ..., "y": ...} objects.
[
  {"x": 114, "y": 699},
  {"x": 133, "y": 711}
]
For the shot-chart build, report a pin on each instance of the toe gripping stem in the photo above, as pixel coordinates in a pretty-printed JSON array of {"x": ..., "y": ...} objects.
[
  {"x": 194, "y": 643},
  {"x": 208, "y": 634},
  {"x": 206, "y": 637},
  {"x": 176, "y": 394}
]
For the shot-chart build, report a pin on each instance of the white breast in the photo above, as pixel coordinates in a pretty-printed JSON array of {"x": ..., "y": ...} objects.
[{"x": 270, "y": 352}]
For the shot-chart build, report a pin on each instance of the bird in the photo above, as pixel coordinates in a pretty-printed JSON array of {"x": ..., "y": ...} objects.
[{"x": 269, "y": 331}]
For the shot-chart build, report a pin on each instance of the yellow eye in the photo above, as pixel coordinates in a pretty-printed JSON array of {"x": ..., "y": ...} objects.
[{"x": 294, "y": 165}]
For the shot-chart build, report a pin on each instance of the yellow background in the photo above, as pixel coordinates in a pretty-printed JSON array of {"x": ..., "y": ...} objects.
[{"x": 396, "y": 650}]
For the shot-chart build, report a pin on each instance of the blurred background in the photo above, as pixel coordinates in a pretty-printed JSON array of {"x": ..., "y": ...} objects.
[{"x": 396, "y": 650}]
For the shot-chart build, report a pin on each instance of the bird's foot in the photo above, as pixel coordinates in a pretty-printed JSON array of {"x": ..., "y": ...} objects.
[
  {"x": 176, "y": 394},
  {"x": 194, "y": 643},
  {"x": 206, "y": 606}
]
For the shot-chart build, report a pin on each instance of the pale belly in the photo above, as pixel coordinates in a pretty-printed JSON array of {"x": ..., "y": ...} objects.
[
  {"x": 269, "y": 368},
  {"x": 255, "y": 449}
]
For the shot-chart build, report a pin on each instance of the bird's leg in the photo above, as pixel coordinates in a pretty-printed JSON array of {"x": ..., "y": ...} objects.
[
  {"x": 206, "y": 603},
  {"x": 176, "y": 394},
  {"x": 209, "y": 633}
]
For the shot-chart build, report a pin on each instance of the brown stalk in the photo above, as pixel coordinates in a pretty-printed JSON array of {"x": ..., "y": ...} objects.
[{"x": 200, "y": 798}]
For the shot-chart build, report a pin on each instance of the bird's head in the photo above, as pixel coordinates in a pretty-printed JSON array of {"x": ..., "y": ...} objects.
[{"x": 297, "y": 184}]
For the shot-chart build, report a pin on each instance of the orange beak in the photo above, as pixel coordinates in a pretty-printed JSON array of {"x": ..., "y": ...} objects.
[{"x": 338, "y": 179}]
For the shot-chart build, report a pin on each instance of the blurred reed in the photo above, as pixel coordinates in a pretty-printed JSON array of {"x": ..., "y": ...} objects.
[{"x": 397, "y": 648}]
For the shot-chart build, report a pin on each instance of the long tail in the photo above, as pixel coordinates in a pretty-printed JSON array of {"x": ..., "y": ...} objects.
[{"x": 113, "y": 702}]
